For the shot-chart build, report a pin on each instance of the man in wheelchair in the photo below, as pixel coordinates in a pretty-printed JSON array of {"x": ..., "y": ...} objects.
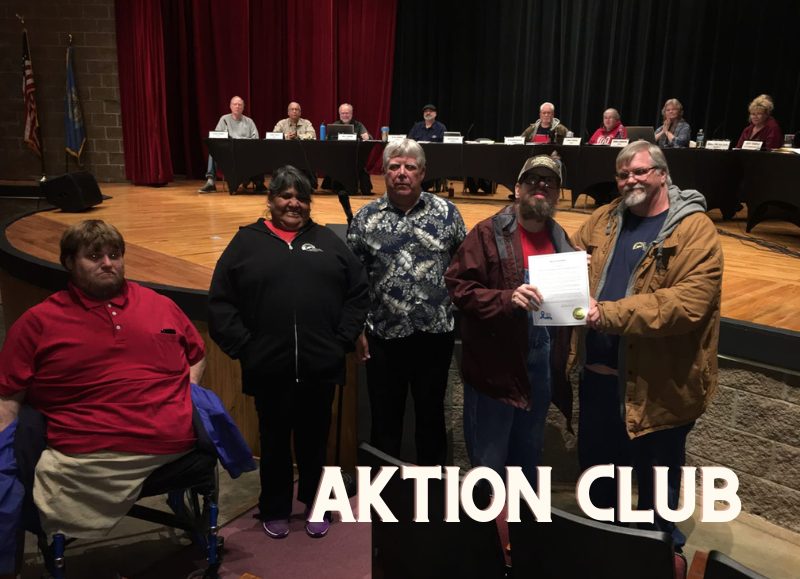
[{"x": 108, "y": 363}]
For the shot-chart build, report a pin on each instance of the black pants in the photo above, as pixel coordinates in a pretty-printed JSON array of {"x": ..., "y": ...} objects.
[
  {"x": 303, "y": 410},
  {"x": 603, "y": 439},
  {"x": 421, "y": 361}
]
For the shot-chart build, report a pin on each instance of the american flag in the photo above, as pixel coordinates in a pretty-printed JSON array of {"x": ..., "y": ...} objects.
[{"x": 32, "y": 132}]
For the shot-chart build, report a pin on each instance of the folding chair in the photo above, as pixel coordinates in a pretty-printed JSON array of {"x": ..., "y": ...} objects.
[{"x": 573, "y": 546}]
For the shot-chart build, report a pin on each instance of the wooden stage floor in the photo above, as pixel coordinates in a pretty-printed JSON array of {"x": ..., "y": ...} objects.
[{"x": 174, "y": 236}]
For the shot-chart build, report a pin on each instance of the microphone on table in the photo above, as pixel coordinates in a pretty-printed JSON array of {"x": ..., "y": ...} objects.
[
  {"x": 715, "y": 133},
  {"x": 469, "y": 130}
]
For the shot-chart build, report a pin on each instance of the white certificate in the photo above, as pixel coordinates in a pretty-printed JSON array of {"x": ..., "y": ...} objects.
[{"x": 563, "y": 281}]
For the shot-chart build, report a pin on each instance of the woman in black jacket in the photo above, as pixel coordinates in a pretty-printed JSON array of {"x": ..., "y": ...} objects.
[{"x": 288, "y": 299}]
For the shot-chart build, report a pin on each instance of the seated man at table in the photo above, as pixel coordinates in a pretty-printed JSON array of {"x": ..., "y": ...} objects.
[
  {"x": 238, "y": 126},
  {"x": 108, "y": 363},
  {"x": 547, "y": 129},
  {"x": 364, "y": 181},
  {"x": 428, "y": 130},
  {"x": 346, "y": 118},
  {"x": 294, "y": 126}
]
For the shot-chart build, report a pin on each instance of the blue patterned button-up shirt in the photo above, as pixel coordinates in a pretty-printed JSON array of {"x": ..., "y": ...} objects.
[{"x": 406, "y": 255}]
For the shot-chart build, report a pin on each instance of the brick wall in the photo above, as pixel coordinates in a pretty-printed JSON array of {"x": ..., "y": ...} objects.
[
  {"x": 753, "y": 428},
  {"x": 91, "y": 23}
]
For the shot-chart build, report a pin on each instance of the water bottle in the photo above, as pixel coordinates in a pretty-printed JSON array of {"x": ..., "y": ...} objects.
[
  {"x": 322, "y": 131},
  {"x": 701, "y": 139},
  {"x": 384, "y": 134}
]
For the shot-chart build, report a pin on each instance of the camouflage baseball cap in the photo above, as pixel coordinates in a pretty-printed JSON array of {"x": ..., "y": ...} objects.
[{"x": 541, "y": 162}]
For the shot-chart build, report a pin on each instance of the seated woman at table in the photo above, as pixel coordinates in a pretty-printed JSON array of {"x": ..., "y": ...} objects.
[
  {"x": 288, "y": 299},
  {"x": 763, "y": 127},
  {"x": 612, "y": 129},
  {"x": 675, "y": 132}
]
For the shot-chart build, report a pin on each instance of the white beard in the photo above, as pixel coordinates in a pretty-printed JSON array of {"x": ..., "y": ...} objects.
[{"x": 635, "y": 197}]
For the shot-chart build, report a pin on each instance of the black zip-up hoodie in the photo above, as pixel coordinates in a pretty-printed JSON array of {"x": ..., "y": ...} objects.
[{"x": 288, "y": 312}]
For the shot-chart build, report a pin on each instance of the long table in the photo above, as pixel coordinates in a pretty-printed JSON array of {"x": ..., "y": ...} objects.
[
  {"x": 767, "y": 182},
  {"x": 241, "y": 159}
]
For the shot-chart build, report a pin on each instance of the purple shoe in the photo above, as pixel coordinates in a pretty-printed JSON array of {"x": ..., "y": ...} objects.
[
  {"x": 320, "y": 529},
  {"x": 276, "y": 528}
]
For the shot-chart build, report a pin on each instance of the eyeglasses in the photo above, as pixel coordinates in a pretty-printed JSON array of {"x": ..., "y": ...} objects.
[
  {"x": 548, "y": 180},
  {"x": 637, "y": 173}
]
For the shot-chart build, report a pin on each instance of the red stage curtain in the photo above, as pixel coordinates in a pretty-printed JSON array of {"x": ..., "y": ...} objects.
[
  {"x": 140, "y": 55},
  {"x": 366, "y": 56},
  {"x": 269, "y": 52},
  {"x": 365, "y": 63}
]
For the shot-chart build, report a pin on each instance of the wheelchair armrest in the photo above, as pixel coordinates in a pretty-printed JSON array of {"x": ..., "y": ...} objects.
[{"x": 193, "y": 470}]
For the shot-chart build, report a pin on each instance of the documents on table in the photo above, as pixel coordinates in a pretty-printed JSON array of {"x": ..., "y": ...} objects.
[{"x": 563, "y": 281}]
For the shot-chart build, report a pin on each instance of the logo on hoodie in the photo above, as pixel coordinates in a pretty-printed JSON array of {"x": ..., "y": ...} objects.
[{"x": 309, "y": 247}]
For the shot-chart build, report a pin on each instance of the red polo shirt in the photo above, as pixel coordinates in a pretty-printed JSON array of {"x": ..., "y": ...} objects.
[{"x": 108, "y": 375}]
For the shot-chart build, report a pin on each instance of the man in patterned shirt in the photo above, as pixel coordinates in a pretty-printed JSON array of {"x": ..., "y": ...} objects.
[
  {"x": 295, "y": 127},
  {"x": 406, "y": 240}
]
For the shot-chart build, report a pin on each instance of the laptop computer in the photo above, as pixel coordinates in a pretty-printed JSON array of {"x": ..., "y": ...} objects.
[
  {"x": 641, "y": 134},
  {"x": 335, "y": 129}
]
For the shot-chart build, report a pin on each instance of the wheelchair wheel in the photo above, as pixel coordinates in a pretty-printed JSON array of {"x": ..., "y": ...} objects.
[{"x": 189, "y": 506}]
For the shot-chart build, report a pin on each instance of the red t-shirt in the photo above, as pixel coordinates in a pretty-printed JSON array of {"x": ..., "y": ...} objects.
[
  {"x": 538, "y": 243},
  {"x": 287, "y": 236},
  {"x": 108, "y": 375}
]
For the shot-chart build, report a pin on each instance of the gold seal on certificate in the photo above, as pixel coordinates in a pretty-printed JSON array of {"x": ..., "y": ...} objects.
[{"x": 579, "y": 313}]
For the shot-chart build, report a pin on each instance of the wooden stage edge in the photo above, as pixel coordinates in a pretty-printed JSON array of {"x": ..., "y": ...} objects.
[{"x": 175, "y": 235}]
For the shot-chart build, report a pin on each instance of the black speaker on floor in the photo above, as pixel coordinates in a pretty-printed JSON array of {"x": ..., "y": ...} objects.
[{"x": 73, "y": 192}]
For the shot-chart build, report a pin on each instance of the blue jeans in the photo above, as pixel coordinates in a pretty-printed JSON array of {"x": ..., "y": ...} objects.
[
  {"x": 603, "y": 439},
  {"x": 498, "y": 434},
  {"x": 211, "y": 172}
]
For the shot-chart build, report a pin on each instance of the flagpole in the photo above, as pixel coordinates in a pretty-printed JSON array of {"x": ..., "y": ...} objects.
[
  {"x": 66, "y": 154},
  {"x": 39, "y": 128},
  {"x": 74, "y": 128},
  {"x": 28, "y": 67}
]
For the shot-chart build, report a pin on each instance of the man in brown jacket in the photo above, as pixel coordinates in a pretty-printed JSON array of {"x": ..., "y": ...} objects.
[
  {"x": 649, "y": 352},
  {"x": 508, "y": 363}
]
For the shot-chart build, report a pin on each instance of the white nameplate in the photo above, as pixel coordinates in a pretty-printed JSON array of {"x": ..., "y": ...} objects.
[
  {"x": 396, "y": 138},
  {"x": 752, "y": 145},
  {"x": 514, "y": 140},
  {"x": 572, "y": 141},
  {"x": 217, "y": 134},
  {"x": 347, "y": 136},
  {"x": 270, "y": 136},
  {"x": 720, "y": 145},
  {"x": 453, "y": 139},
  {"x": 620, "y": 142}
]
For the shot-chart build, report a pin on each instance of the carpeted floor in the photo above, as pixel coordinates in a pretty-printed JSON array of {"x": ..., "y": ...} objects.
[{"x": 345, "y": 553}]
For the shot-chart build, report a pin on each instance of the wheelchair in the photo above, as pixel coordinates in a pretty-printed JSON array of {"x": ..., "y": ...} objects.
[{"x": 191, "y": 486}]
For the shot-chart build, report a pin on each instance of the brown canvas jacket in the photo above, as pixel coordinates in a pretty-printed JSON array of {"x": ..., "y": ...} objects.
[{"x": 669, "y": 320}]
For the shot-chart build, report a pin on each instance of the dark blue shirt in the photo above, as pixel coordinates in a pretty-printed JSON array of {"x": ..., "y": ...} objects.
[
  {"x": 434, "y": 134},
  {"x": 633, "y": 242}
]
